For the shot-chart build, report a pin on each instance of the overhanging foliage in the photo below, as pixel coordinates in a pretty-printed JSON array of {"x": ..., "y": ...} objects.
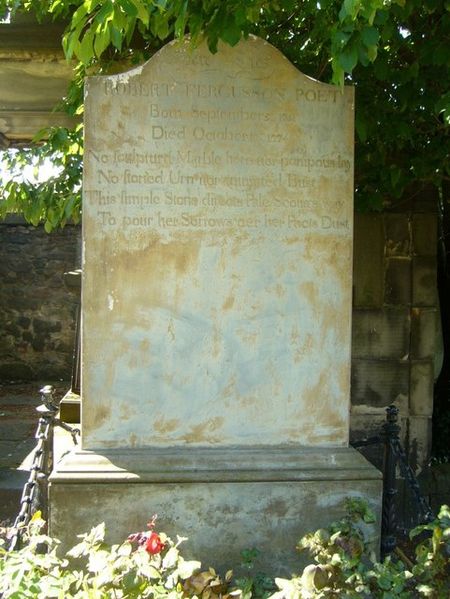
[{"x": 396, "y": 53}]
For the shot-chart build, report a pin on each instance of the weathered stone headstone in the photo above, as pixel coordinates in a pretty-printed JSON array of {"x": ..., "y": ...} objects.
[
  {"x": 218, "y": 241},
  {"x": 217, "y": 223}
]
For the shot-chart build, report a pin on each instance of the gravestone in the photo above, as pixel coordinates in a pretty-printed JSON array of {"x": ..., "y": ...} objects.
[{"x": 217, "y": 219}]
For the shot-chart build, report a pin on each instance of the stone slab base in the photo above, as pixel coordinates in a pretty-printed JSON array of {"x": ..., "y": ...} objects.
[{"x": 223, "y": 500}]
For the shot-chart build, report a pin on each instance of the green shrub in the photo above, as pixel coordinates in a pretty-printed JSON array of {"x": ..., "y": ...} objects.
[
  {"x": 149, "y": 564},
  {"x": 154, "y": 569},
  {"x": 346, "y": 568}
]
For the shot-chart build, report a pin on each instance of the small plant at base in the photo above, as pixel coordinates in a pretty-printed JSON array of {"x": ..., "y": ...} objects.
[
  {"x": 151, "y": 541},
  {"x": 432, "y": 565},
  {"x": 259, "y": 585},
  {"x": 346, "y": 568},
  {"x": 154, "y": 569},
  {"x": 30, "y": 573}
]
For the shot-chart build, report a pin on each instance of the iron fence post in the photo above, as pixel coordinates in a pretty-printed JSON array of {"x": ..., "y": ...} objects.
[{"x": 391, "y": 430}]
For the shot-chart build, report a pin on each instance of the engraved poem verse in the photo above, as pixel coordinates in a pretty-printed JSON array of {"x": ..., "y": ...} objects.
[{"x": 217, "y": 155}]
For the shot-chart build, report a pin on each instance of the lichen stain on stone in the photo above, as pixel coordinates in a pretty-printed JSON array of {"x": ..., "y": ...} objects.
[
  {"x": 229, "y": 389},
  {"x": 171, "y": 330},
  {"x": 228, "y": 303},
  {"x": 248, "y": 337},
  {"x": 229, "y": 509},
  {"x": 205, "y": 432},
  {"x": 306, "y": 348},
  {"x": 153, "y": 276},
  {"x": 248, "y": 401},
  {"x": 133, "y": 362},
  {"x": 291, "y": 240},
  {"x": 280, "y": 290},
  {"x": 308, "y": 291},
  {"x": 277, "y": 507},
  {"x": 98, "y": 415},
  {"x": 216, "y": 342},
  {"x": 329, "y": 419},
  {"x": 104, "y": 116},
  {"x": 144, "y": 346},
  {"x": 166, "y": 425}
]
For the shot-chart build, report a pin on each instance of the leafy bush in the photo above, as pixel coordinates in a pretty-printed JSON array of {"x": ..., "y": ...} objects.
[
  {"x": 346, "y": 568},
  {"x": 149, "y": 564},
  {"x": 155, "y": 569}
]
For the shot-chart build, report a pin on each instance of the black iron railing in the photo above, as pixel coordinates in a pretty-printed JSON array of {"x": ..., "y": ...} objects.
[
  {"x": 34, "y": 494},
  {"x": 394, "y": 456}
]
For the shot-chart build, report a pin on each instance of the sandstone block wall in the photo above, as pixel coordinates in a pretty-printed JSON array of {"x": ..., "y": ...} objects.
[
  {"x": 37, "y": 312},
  {"x": 396, "y": 326}
]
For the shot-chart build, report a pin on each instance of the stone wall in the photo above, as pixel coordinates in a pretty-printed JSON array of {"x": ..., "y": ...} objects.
[
  {"x": 396, "y": 326},
  {"x": 37, "y": 312}
]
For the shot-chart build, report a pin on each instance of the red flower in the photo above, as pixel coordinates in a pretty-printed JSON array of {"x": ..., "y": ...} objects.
[{"x": 153, "y": 543}]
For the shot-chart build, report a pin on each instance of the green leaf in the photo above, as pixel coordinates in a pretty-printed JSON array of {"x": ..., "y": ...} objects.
[
  {"x": 372, "y": 53},
  {"x": 70, "y": 43},
  {"x": 187, "y": 568},
  {"x": 120, "y": 18},
  {"x": 85, "y": 50},
  {"x": 350, "y": 9},
  {"x": 212, "y": 40},
  {"x": 180, "y": 23},
  {"x": 160, "y": 26},
  {"x": 231, "y": 33},
  {"x": 131, "y": 582},
  {"x": 101, "y": 41},
  {"x": 343, "y": 12},
  {"x": 79, "y": 16},
  {"x": 348, "y": 58},
  {"x": 171, "y": 558},
  {"x": 369, "y": 12},
  {"x": 116, "y": 36},
  {"x": 142, "y": 12},
  {"x": 54, "y": 6},
  {"x": 105, "y": 14},
  {"x": 370, "y": 36},
  {"x": 338, "y": 73},
  {"x": 69, "y": 205},
  {"x": 40, "y": 135},
  {"x": 442, "y": 107},
  {"x": 129, "y": 30},
  {"x": 363, "y": 56},
  {"x": 129, "y": 8},
  {"x": 91, "y": 4},
  {"x": 340, "y": 38}
]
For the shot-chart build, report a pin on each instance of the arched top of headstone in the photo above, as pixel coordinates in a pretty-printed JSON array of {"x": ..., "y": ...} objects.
[
  {"x": 252, "y": 71},
  {"x": 252, "y": 59}
]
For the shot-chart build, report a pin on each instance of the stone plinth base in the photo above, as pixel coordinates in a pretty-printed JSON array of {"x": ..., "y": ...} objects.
[{"x": 223, "y": 500}]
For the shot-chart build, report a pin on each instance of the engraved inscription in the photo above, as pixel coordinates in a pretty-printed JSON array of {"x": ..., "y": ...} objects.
[{"x": 222, "y": 155}]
